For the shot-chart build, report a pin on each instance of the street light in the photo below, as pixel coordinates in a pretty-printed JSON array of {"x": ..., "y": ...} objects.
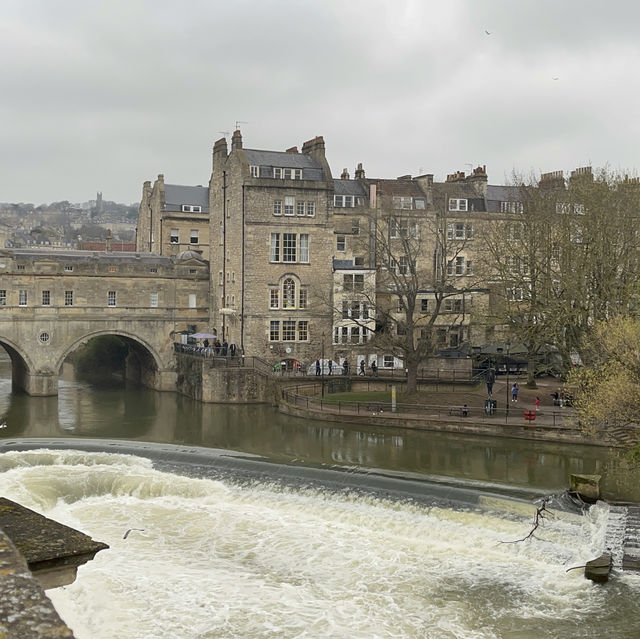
[
  {"x": 322, "y": 366},
  {"x": 499, "y": 350}
]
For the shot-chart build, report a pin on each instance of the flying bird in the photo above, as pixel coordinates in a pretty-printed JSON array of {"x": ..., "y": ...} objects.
[
  {"x": 130, "y": 529},
  {"x": 555, "y": 78},
  {"x": 487, "y": 32}
]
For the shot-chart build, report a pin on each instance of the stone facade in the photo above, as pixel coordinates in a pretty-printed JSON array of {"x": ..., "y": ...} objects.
[
  {"x": 53, "y": 301},
  {"x": 285, "y": 238}
]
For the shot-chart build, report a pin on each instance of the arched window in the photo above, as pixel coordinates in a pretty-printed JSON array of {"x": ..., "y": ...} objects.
[{"x": 288, "y": 293}]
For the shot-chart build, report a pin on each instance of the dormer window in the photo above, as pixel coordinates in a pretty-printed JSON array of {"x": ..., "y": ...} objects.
[
  {"x": 280, "y": 173},
  {"x": 255, "y": 170},
  {"x": 344, "y": 201},
  {"x": 405, "y": 203},
  {"x": 191, "y": 208},
  {"x": 457, "y": 204}
]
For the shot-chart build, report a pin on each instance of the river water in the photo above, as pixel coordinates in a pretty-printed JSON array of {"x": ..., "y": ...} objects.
[{"x": 238, "y": 522}]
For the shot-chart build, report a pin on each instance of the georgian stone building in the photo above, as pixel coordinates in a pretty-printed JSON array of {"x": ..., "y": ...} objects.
[{"x": 301, "y": 263}]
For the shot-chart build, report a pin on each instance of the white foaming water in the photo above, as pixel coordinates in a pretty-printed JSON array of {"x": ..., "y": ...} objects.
[{"x": 215, "y": 559}]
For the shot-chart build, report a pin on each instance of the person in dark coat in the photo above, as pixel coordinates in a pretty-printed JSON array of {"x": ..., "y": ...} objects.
[
  {"x": 317, "y": 367},
  {"x": 225, "y": 348},
  {"x": 330, "y": 364},
  {"x": 362, "y": 371}
]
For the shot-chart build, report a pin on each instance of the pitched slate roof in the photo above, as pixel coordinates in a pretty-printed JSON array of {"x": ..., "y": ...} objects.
[
  {"x": 311, "y": 169},
  {"x": 175, "y": 195},
  {"x": 349, "y": 187}
]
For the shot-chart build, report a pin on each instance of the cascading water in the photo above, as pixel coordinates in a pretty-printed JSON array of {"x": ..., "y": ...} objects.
[{"x": 211, "y": 557}]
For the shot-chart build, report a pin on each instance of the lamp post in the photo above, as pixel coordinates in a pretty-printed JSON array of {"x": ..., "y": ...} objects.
[
  {"x": 506, "y": 360},
  {"x": 322, "y": 366}
]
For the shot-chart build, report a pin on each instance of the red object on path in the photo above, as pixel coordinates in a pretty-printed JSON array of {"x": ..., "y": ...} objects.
[{"x": 530, "y": 415}]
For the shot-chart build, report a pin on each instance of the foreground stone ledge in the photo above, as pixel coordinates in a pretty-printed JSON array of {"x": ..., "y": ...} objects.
[
  {"x": 25, "y": 611},
  {"x": 53, "y": 551}
]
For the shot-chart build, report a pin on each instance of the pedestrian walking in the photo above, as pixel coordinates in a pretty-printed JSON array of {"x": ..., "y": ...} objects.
[
  {"x": 374, "y": 369},
  {"x": 330, "y": 365},
  {"x": 537, "y": 403},
  {"x": 225, "y": 348},
  {"x": 362, "y": 371},
  {"x": 317, "y": 367},
  {"x": 514, "y": 392},
  {"x": 345, "y": 367}
]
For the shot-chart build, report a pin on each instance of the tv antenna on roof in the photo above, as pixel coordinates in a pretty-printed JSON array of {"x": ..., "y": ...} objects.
[
  {"x": 225, "y": 133},
  {"x": 239, "y": 122}
]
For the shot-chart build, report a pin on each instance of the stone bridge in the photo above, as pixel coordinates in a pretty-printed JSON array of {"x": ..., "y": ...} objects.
[{"x": 52, "y": 302}]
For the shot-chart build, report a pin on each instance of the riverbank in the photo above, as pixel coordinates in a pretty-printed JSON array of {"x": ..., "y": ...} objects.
[{"x": 459, "y": 410}]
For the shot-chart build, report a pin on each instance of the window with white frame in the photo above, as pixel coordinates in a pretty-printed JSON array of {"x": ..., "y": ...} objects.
[
  {"x": 254, "y": 169},
  {"x": 515, "y": 294},
  {"x": 304, "y": 298},
  {"x": 274, "y": 331},
  {"x": 406, "y": 266},
  {"x": 289, "y": 247},
  {"x": 46, "y": 298},
  {"x": 287, "y": 174},
  {"x": 511, "y": 207},
  {"x": 344, "y": 201},
  {"x": 456, "y": 266},
  {"x": 459, "y": 231},
  {"x": 341, "y": 243},
  {"x": 311, "y": 209},
  {"x": 300, "y": 208},
  {"x": 192, "y": 208},
  {"x": 458, "y": 204},
  {"x": 288, "y": 331},
  {"x": 274, "y": 255},
  {"x": 304, "y": 248},
  {"x": 68, "y": 268},
  {"x": 68, "y": 298},
  {"x": 419, "y": 203},
  {"x": 22, "y": 297},
  {"x": 387, "y": 361},
  {"x": 174, "y": 236},
  {"x": 303, "y": 331},
  {"x": 289, "y": 203},
  {"x": 288, "y": 293},
  {"x": 424, "y": 306},
  {"x": 468, "y": 265},
  {"x": 401, "y": 202},
  {"x": 153, "y": 299},
  {"x": 353, "y": 282},
  {"x": 274, "y": 298},
  {"x": 3, "y": 297},
  {"x": 277, "y": 207},
  {"x": 402, "y": 227},
  {"x": 111, "y": 298},
  {"x": 193, "y": 239},
  {"x": 452, "y": 305}
]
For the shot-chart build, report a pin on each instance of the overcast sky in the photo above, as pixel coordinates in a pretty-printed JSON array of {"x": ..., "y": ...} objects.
[{"x": 102, "y": 95}]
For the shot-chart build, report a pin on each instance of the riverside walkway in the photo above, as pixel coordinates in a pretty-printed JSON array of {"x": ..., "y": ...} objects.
[{"x": 464, "y": 412}]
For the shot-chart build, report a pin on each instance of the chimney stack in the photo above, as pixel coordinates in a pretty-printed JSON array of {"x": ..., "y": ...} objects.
[
  {"x": 236, "y": 140},
  {"x": 359, "y": 174},
  {"x": 344, "y": 175}
]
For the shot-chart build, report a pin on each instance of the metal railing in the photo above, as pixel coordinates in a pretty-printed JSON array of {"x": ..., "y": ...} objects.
[
  {"x": 223, "y": 361},
  {"x": 307, "y": 397}
]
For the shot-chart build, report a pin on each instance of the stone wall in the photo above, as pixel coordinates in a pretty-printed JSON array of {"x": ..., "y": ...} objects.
[{"x": 202, "y": 380}]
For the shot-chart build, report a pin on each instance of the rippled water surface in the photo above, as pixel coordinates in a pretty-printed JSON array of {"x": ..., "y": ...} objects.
[{"x": 217, "y": 558}]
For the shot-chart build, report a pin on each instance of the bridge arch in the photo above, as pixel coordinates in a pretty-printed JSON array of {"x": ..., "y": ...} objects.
[
  {"x": 143, "y": 363},
  {"x": 22, "y": 365}
]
